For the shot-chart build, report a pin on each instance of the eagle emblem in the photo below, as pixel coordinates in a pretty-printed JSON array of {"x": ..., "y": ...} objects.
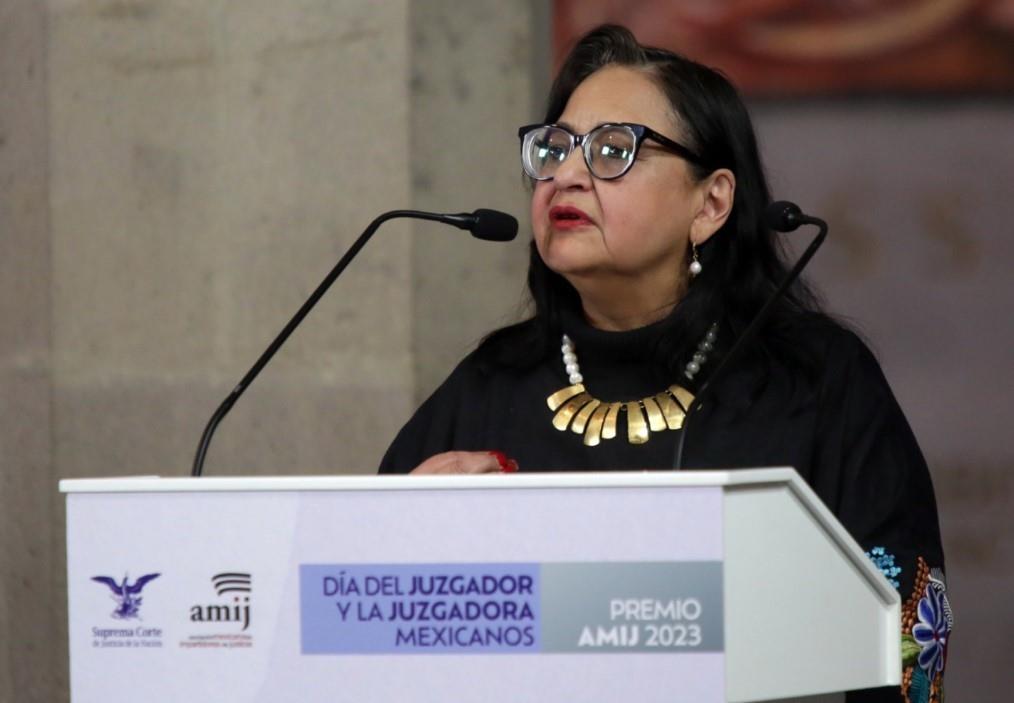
[{"x": 127, "y": 595}]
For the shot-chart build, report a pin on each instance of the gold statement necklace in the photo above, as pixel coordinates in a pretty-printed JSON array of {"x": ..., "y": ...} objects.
[{"x": 575, "y": 408}]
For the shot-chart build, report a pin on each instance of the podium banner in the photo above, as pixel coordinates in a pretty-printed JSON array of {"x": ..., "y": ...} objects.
[
  {"x": 486, "y": 594},
  {"x": 662, "y": 607}
]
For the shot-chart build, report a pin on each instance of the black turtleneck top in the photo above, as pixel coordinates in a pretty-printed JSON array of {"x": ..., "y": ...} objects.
[{"x": 837, "y": 424}]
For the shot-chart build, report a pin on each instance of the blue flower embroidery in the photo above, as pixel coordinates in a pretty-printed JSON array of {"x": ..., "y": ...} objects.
[
  {"x": 885, "y": 562},
  {"x": 933, "y": 628}
]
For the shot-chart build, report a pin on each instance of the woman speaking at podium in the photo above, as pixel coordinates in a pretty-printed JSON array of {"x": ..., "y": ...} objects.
[{"x": 649, "y": 258}]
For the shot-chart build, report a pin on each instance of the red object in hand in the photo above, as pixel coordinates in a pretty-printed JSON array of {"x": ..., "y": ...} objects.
[{"x": 507, "y": 466}]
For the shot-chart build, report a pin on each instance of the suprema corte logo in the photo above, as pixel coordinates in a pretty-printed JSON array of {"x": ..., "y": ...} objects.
[{"x": 127, "y": 596}]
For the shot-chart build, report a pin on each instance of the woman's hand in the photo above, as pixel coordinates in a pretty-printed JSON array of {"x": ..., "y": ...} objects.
[{"x": 467, "y": 463}]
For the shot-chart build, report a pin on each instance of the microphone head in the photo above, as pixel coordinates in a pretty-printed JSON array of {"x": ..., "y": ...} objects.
[
  {"x": 493, "y": 225},
  {"x": 783, "y": 216}
]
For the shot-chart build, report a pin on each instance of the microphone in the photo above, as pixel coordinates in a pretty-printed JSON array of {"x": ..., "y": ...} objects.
[
  {"x": 490, "y": 225},
  {"x": 781, "y": 216}
]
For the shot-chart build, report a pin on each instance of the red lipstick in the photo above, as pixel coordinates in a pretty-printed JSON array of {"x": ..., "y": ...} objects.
[{"x": 568, "y": 217}]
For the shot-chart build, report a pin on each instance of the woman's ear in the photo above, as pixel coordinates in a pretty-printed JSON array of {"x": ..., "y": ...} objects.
[{"x": 718, "y": 190}]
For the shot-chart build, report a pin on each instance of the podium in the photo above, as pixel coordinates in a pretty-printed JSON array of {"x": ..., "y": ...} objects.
[{"x": 641, "y": 586}]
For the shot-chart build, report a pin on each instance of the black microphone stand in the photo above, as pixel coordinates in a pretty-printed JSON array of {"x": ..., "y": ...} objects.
[
  {"x": 753, "y": 328},
  {"x": 223, "y": 409}
]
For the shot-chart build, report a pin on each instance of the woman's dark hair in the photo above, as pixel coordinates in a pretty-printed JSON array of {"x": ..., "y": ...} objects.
[{"x": 742, "y": 262}]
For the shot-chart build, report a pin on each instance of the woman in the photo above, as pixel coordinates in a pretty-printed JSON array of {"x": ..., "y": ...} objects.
[{"x": 648, "y": 259}]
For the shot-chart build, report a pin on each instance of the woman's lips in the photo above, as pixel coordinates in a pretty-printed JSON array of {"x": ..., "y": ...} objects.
[{"x": 567, "y": 217}]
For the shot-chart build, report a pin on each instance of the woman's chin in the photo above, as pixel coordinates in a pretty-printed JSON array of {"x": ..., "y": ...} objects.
[
  {"x": 569, "y": 265},
  {"x": 567, "y": 255}
]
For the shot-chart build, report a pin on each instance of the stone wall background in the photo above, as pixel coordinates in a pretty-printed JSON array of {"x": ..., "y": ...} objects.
[{"x": 176, "y": 177}]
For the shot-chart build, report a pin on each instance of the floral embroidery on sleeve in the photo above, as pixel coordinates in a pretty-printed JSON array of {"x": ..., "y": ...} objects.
[{"x": 926, "y": 623}]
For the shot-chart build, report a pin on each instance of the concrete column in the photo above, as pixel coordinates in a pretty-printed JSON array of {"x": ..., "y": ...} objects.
[
  {"x": 31, "y": 607},
  {"x": 211, "y": 161},
  {"x": 470, "y": 89}
]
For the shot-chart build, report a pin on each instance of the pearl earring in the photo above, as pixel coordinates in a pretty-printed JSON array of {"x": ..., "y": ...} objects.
[{"x": 695, "y": 265}]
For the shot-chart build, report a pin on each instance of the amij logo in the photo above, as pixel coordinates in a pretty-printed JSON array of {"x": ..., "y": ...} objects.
[
  {"x": 227, "y": 618},
  {"x": 235, "y": 587},
  {"x": 126, "y": 594}
]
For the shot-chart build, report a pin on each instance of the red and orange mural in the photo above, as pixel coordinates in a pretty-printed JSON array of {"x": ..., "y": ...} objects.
[{"x": 803, "y": 47}]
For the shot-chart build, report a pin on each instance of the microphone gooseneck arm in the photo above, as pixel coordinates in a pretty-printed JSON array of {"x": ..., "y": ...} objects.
[
  {"x": 469, "y": 221},
  {"x": 785, "y": 223}
]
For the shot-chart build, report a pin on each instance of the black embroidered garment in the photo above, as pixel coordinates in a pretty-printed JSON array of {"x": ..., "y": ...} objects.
[{"x": 839, "y": 426}]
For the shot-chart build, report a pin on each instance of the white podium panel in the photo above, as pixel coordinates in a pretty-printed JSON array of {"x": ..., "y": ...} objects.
[{"x": 591, "y": 587}]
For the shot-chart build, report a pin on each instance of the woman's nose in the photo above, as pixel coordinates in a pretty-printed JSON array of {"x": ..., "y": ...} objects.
[{"x": 573, "y": 172}]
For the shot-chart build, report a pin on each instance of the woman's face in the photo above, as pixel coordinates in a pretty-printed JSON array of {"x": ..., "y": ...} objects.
[{"x": 633, "y": 229}]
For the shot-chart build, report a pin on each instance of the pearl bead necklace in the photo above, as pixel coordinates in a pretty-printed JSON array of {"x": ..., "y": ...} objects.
[
  {"x": 570, "y": 361},
  {"x": 699, "y": 358}
]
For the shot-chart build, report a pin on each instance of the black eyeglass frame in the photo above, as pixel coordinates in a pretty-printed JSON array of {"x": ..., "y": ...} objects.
[{"x": 640, "y": 131}]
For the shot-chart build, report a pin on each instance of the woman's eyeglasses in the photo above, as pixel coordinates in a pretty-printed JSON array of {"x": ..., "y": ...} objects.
[{"x": 609, "y": 149}]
